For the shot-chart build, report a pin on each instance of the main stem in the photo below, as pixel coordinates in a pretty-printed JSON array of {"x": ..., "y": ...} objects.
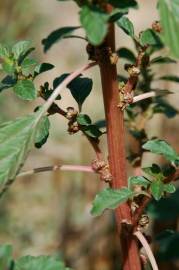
[{"x": 117, "y": 156}]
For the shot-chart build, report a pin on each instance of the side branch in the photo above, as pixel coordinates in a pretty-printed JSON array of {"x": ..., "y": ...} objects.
[
  {"x": 74, "y": 168},
  {"x": 143, "y": 96},
  {"x": 147, "y": 248}
]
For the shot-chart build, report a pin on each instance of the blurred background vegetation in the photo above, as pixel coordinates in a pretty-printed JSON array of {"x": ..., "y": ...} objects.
[{"x": 49, "y": 213}]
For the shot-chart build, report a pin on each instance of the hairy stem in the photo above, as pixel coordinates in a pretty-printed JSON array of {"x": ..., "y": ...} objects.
[
  {"x": 117, "y": 157},
  {"x": 147, "y": 248},
  {"x": 74, "y": 168},
  {"x": 144, "y": 96}
]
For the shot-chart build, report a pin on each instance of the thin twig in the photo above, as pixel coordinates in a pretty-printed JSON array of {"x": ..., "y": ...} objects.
[
  {"x": 147, "y": 248},
  {"x": 57, "y": 90},
  {"x": 143, "y": 96},
  {"x": 75, "y": 168},
  {"x": 96, "y": 148}
]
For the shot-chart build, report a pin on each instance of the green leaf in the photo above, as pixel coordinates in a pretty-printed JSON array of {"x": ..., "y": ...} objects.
[
  {"x": 157, "y": 189},
  {"x": 162, "y": 148},
  {"x": 138, "y": 180},
  {"x": 39, "y": 263},
  {"x": 25, "y": 89},
  {"x": 42, "y": 132},
  {"x": 80, "y": 89},
  {"x": 162, "y": 106},
  {"x": 89, "y": 129},
  {"x": 171, "y": 78},
  {"x": 152, "y": 171},
  {"x": 28, "y": 66},
  {"x": 126, "y": 25},
  {"x": 92, "y": 131},
  {"x": 149, "y": 37},
  {"x": 57, "y": 81},
  {"x": 101, "y": 123},
  {"x": 46, "y": 92},
  {"x": 8, "y": 66},
  {"x": 94, "y": 21},
  {"x": 16, "y": 140},
  {"x": 127, "y": 54},
  {"x": 5, "y": 256},
  {"x": 110, "y": 199},
  {"x": 83, "y": 119},
  {"x": 57, "y": 35},
  {"x": 42, "y": 68},
  {"x": 168, "y": 170},
  {"x": 115, "y": 15},
  {"x": 7, "y": 82},
  {"x": 24, "y": 55},
  {"x": 162, "y": 60},
  {"x": 4, "y": 52},
  {"x": 170, "y": 188},
  {"x": 20, "y": 48},
  {"x": 168, "y": 11},
  {"x": 125, "y": 4}
]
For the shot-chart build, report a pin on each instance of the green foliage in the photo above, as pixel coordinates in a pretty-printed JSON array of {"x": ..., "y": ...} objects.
[
  {"x": 124, "y": 4},
  {"x": 25, "y": 89},
  {"x": 80, "y": 87},
  {"x": 5, "y": 256},
  {"x": 162, "y": 148},
  {"x": 87, "y": 127},
  {"x": 126, "y": 25},
  {"x": 171, "y": 78},
  {"x": 42, "y": 68},
  {"x": 28, "y": 66},
  {"x": 16, "y": 140},
  {"x": 170, "y": 188},
  {"x": 149, "y": 37},
  {"x": 126, "y": 54},
  {"x": 57, "y": 35},
  {"x": 46, "y": 92},
  {"x": 157, "y": 188},
  {"x": 169, "y": 19},
  {"x": 28, "y": 262},
  {"x": 20, "y": 48},
  {"x": 154, "y": 170},
  {"x": 39, "y": 263},
  {"x": 110, "y": 199},
  {"x": 94, "y": 21},
  {"x": 83, "y": 120},
  {"x": 19, "y": 136},
  {"x": 138, "y": 180},
  {"x": 42, "y": 132},
  {"x": 7, "y": 82},
  {"x": 162, "y": 106},
  {"x": 162, "y": 60},
  {"x": 4, "y": 51},
  {"x": 22, "y": 70}
]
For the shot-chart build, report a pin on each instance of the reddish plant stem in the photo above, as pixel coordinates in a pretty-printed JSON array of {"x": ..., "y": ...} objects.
[{"x": 117, "y": 157}]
